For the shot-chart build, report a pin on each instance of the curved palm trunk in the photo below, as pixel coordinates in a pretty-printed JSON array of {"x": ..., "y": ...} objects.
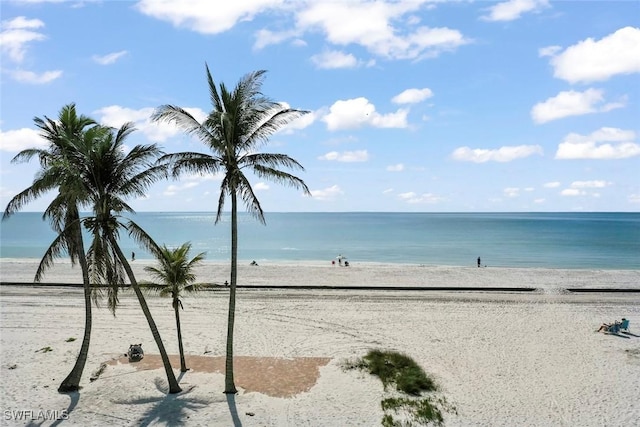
[
  {"x": 72, "y": 381},
  {"x": 171, "y": 378},
  {"x": 229, "y": 384},
  {"x": 183, "y": 364}
]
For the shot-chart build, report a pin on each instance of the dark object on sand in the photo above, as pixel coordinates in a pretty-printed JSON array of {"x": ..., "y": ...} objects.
[{"x": 135, "y": 352}]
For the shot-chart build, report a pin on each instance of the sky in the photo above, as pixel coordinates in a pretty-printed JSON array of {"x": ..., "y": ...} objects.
[{"x": 413, "y": 105}]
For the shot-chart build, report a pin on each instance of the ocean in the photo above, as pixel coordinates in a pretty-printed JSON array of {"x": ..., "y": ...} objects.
[{"x": 549, "y": 240}]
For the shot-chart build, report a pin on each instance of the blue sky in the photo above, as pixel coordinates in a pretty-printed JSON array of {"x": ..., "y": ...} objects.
[{"x": 426, "y": 106}]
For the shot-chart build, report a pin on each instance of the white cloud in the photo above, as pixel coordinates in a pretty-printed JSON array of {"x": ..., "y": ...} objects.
[
  {"x": 261, "y": 186},
  {"x": 395, "y": 168},
  {"x": 511, "y": 192},
  {"x": 35, "y": 78},
  {"x": 634, "y": 198},
  {"x": 332, "y": 59},
  {"x": 174, "y": 189},
  {"x": 359, "y": 112},
  {"x": 571, "y": 103},
  {"x": 415, "y": 198},
  {"x": 549, "y": 50},
  {"x": 539, "y": 201},
  {"x": 572, "y": 192},
  {"x": 330, "y": 193},
  {"x": 597, "y": 60},
  {"x": 115, "y": 116},
  {"x": 109, "y": 58},
  {"x": 590, "y": 184},
  {"x": 346, "y": 156},
  {"x": 21, "y": 139},
  {"x": 503, "y": 154},
  {"x": 375, "y": 30},
  {"x": 579, "y": 188},
  {"x": 554, "y": 184},
  {"x": 301, "y": 122},
  {"x": 412, "y": 96},
  {"x": 199, "y": 16},
  {"x": 16, "y": 34},
  {"x": 605, "y": 143},
  {"x": 513, "y": 9},
  {"x": 266, "y": 37}
]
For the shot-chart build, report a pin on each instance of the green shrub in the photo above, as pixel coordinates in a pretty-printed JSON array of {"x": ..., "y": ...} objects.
[
  {"x": 409, "y": 378},
  {"x": 399, "y": 369}
]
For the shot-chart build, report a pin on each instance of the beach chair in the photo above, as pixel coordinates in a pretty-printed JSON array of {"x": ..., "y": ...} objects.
[
  {"x": 624, "y": 325},
  {"x": 614, "y": 328}
]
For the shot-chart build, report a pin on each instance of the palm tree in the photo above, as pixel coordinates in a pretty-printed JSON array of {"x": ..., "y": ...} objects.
[
  {"x": 240, "y": 122},
  {"x": 64, "y": 136},
  {"x": 175, "y": 277},
  {"x": 110, "y": 176}
]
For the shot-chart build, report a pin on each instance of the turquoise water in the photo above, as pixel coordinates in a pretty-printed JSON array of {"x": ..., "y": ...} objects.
[{"x": 555, "y": 240}]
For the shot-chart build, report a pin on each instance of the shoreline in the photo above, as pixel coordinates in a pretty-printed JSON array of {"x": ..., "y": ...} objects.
[
  {"x": 327, "y": 262},
  {"x": 363, "y": 275}
]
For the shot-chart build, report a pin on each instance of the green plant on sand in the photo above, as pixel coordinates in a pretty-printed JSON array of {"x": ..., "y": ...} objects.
[
  {"x": 410, "y": 379},
  {"x": 399, "y": 369}
]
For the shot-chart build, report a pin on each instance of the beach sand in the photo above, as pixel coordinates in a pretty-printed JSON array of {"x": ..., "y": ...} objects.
[{"x": 501, "y": 358}]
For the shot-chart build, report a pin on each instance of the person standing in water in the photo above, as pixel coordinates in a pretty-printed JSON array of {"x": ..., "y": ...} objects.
[{"x": 479, "y": 262}]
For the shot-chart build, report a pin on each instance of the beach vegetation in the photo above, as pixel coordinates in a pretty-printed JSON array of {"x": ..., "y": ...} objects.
[
  {"x": 70, "y": 339},
  {"x": 411, "y": 408},
  {"x": 241, "y": 120},
  {"x": 57, "y": 171},
  {"x": 397, "y": 368},
  {"x": 173, "y": 278}
]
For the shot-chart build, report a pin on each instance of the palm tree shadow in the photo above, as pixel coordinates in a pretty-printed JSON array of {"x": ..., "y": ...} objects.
[
  {"x": 233, "y": 410},
  {"x": 170, "y": 409},
  {"x": 75, "y": 398}
]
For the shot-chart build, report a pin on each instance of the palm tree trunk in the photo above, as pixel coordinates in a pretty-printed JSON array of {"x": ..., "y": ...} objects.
[
  {"x": 72, "y": 381},
  {"x": 183, "y": 364},
  {"x": 229, "y": 383},
  {"x": 171, "y": 378}
]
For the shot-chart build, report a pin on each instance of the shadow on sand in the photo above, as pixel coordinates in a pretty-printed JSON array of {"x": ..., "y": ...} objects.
[
  {"x": 233, "y": 410},
  {"x": 75, "y": 398},
  {"x": 170, "y": 409}
]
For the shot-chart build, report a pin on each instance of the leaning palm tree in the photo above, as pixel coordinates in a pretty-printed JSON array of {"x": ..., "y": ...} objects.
[
  {"x": 240, "y": 122},
  {"x": 110, "y": 177},
  {"x": 174, "y": 278},
  {"x": 65, "y": 137}
]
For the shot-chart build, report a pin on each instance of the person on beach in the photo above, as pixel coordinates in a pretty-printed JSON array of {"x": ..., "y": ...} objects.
[
  {"x": 479, "y": 262},
  {"x": 133, "y": 256},
  {"x": 613, "y": 328}
]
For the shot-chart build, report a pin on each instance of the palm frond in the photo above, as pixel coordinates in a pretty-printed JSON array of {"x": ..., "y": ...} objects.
[{"x": 55, "y": 250}]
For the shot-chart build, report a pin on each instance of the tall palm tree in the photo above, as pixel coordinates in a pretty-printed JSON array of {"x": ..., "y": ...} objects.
[
  {"x": 240, "y": 122},
  {"x": 64, "y": 136},
  {"x": 110, "y": 176},
  {"x": 174, "y": 278}
]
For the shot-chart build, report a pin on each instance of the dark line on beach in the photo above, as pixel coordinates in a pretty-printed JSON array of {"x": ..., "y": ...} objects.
[
  {"x": 593, "y": 290},
  {"x": 216, "y": 287}
]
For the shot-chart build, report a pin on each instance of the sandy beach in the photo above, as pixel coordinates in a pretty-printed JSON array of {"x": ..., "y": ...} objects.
[{"x": 501, "y": 358}]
